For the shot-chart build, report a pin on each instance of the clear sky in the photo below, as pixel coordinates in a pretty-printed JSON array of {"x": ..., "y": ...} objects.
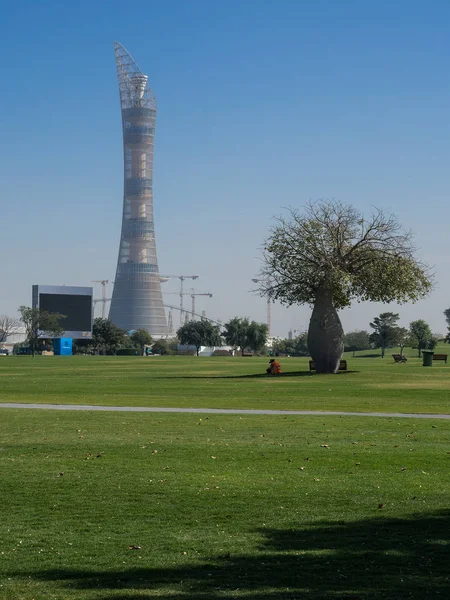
[{"x": 262, "y": 104}]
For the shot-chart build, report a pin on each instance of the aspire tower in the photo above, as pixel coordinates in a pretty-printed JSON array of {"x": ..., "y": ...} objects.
[{"x": 136, "y": 301}]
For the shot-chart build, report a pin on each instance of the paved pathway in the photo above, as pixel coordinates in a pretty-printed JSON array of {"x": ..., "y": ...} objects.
[{"x": 223, "y": 411}]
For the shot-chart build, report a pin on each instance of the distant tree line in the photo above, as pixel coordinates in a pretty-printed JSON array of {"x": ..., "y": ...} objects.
[
  {"x": 297, "y": 346},
  {"x": 240, "y": 333}
]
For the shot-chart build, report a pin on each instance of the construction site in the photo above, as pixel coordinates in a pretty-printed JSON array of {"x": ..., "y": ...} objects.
[{"x": 178, "y": 315}]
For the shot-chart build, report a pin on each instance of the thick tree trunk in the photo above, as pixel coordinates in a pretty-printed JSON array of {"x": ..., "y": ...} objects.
[{"x": 325, "y": 334}]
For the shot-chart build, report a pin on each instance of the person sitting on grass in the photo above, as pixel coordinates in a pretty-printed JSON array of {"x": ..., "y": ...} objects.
[{"x": 274, "y": 367}]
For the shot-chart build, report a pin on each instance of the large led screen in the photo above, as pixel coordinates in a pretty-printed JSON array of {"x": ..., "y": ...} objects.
[{"x": 76, "y": 308}]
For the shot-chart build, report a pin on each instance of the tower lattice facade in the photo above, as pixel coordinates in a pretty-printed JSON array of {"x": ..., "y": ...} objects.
[{"x": 137, "y": 301}]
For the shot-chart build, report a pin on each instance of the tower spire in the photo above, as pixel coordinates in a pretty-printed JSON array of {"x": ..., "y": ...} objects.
[
  {"x": 137, "y": 298},
  {"x": 133, "y": 84}
]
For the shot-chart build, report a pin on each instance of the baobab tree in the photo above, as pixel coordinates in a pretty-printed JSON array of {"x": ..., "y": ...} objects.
[{"x": 328, "y": 255}]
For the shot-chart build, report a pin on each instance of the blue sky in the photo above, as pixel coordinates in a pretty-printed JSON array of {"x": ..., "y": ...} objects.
[{"x": 261, "y": 105}]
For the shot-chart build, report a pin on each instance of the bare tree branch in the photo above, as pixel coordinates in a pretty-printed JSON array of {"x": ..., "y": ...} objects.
[{"x": 7, "y": 326}]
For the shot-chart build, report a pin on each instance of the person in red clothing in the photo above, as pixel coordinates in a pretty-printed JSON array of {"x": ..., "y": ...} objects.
[{"x": 274, "y": 367}]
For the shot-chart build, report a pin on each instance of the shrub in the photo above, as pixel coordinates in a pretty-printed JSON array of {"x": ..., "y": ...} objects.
[{"x": 128, "y": 352}]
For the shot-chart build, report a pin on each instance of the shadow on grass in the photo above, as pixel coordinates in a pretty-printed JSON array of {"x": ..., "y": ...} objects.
[
  {"x": 377, "y": 558},
  {"x": 263, "y": 375}
]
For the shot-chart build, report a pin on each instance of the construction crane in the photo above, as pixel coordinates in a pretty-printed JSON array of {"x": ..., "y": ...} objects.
[
  {"x": 162, "y": 278},
  {"x": 181, "y": 278},
  {"x": 269, "y": 316},
  {"x": 193, "y": 294},
  {"x": 94, "y": 302},
  {"x": 202, "y": 316},
  {"x": 104, "y": 299},
  {"x": 170, "y": 323},
  {"x": 171, "y": 308}
]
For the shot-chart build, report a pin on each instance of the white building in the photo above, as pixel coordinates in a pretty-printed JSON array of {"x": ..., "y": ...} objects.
[
  {"x": 205, "y": 350},
  {"x": 17, "y": 336},
  {"x": 271, "y": 340}
]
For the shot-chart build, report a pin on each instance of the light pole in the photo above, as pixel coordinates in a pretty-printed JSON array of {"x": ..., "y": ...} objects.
[{"x": 269, "y": 319}]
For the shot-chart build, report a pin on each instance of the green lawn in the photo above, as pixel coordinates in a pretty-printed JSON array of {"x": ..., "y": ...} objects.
[
  {"x": 372, "y": 384},
  {"x": 124, "y": 506},
  {"x": 114, "y": 506}
]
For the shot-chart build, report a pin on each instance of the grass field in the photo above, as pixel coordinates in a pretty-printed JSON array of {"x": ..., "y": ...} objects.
[
  {"x": 122, "y": 506},
  {"x": 373, "y": 384}
]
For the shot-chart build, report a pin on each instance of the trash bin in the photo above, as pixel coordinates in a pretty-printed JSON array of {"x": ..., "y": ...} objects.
[{"x": 427, "y": 358}]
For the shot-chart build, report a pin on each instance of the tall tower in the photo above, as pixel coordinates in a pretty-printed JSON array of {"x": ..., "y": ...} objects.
[{"x": 136, "y": 301}]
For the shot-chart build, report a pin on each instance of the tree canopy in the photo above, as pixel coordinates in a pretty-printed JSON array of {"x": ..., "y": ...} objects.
[
  {"x": 257, "y": 336},
  {"x": 235, "y": 332},
  {"x": 199, "y": 333},
  {"x": 447, "y": 320},
  {"x": 403, "y": 338},
  {"x": 356, "y": 340},
  {"x": 385, "y": 332},
  {"x": 160, "y": 347},
  {"x": 38, "y": 323},
  {"x": 297, "y": 346},
  {"x": 106, "y": 336},
  {"x": 141, "y": 338},
  {"x": 422, "y": 336},
  {"x": 329, "y": 255},
  {"x": 241, "y": 333},
  {"x": 331, "y": 244}
]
